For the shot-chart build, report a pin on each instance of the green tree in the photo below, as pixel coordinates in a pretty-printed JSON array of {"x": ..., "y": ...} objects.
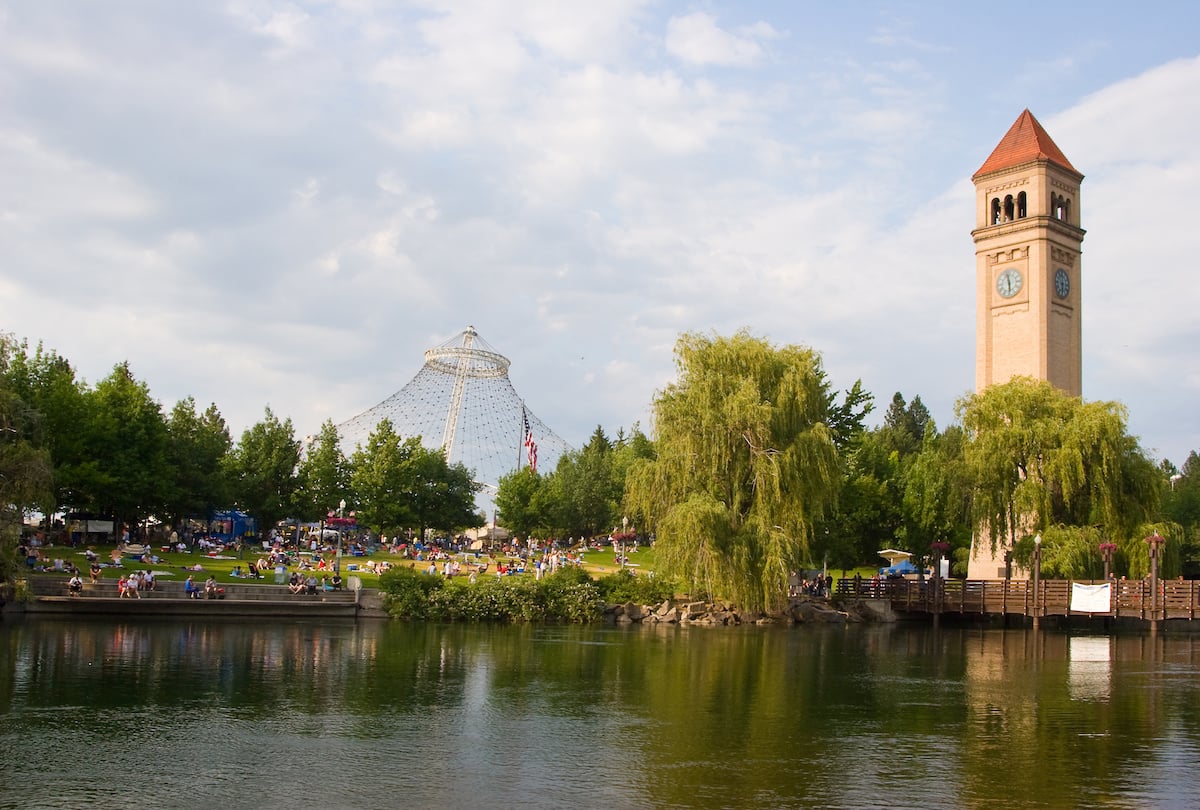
[
  {"x": 873, "y": 511},
  {"x": 442, "y": 494},
  {"x": 262, "y": 470},
  {"x": 586, "y": 490},
  {"x": 518, "y": 501},
  {"x": 399, "y": 484},
  {"x": 583, "y": 496},
  {"x": 904, "y": 424},
  {"x": 937, "y": 492},
  {"x": 1181, "y": 505},
  {"x": 46, "y": 382},
  {"x": 745, "y": 463},
  {"x": 380, "y": 480},
  {"x": 1037, "y": 457},
  {"x": 847, "y": 419},
  {"x": 323, "y": 475},
  {"x": 197, "y": 444},
  {"x": 127, "y": 440},
  {"x": 25, "y": 470},
  {"x": 868, "y": 515}
]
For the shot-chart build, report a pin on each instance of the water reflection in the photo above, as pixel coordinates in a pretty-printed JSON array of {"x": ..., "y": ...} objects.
[{"x": 305, "y": 715}]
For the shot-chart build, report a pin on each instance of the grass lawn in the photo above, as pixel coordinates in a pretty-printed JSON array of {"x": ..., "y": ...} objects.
[
  {"x": 177, "y": 566},
  {"x": 597, "y": 562}
]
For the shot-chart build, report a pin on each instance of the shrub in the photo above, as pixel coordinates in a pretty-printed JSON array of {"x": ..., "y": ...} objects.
[
  {"x": 409, "y": 594},
  {"x": 622, "y": 586},
  {"x": 568, "y": 595},
  {"x": 571, "y": 595}
]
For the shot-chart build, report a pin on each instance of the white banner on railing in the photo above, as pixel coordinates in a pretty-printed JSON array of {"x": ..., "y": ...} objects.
[{"x": 1091, "y": 598}]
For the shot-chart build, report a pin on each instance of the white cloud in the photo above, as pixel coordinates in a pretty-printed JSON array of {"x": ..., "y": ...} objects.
[
  {"x": 697, "y": 40},
  {"x": 287, "y": 203}
]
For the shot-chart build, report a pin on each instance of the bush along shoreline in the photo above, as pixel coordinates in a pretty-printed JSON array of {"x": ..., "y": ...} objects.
[
  {"x": 571, "y": 596},
  {"x": 567, "y": 596}
]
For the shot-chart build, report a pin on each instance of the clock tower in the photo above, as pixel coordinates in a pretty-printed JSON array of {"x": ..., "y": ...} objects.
[{"x": 1027, "y": 267}]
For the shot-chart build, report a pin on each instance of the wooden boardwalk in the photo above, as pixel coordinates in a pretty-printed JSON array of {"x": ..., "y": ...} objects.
[{"x": 1176, "y": 599}]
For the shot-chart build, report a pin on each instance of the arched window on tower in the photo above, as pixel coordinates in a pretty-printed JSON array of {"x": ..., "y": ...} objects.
[
  {"x": 1022, "y": 210},
  {"x": 1008, "y": 208},
  {"x": 995, "y": 218},
  {"x": 1056, "y": 206}
]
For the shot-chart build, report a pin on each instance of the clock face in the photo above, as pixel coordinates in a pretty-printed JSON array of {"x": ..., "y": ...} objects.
[
  {"x": 1062, "y": 283},
  {"x": 1008, "y": 283}
]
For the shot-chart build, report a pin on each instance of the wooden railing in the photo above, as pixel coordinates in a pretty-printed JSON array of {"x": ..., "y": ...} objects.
[{"x": 1176, "y": 599}]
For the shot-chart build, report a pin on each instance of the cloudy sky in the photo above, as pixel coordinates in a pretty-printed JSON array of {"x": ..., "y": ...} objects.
[{"x": 285, "y": 203}]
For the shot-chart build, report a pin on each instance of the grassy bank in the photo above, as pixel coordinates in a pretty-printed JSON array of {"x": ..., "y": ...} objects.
[{"x": 175, "y": 565}]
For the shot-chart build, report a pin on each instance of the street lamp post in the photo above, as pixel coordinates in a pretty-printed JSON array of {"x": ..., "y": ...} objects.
[{"x": 1106, "y": 551}]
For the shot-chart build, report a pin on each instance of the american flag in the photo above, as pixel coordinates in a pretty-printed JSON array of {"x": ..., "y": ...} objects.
[{"x": 530, "y": 444}]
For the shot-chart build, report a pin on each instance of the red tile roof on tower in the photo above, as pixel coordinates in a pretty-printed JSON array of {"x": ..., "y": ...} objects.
[{"x": 1025, "y": 141}]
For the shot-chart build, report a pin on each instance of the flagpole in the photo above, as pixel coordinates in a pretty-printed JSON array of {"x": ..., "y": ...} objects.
[{"x": 521, "y": 443}]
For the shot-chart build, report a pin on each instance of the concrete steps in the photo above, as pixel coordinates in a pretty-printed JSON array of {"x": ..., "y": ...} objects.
[{"x": 56, "y": 586}]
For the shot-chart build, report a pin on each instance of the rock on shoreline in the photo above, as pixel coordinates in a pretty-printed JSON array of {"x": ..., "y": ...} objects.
[{"x": 800, "y": 610}]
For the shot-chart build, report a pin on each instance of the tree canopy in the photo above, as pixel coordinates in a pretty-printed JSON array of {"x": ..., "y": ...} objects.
[
  {"x": 398, "y": 483},
  {"x": 323, "y": 477},
  {"x": 262, "y": 469},
  {"x": 1037, "y": 457},
  {"x": 25, "y": 463},
  {"x": 745, "y": 462}
]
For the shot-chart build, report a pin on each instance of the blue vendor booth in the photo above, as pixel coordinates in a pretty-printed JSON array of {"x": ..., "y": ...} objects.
[{"x": 230, "y": 524}]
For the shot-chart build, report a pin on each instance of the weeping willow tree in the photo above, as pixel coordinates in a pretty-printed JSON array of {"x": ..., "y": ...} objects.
[
  {"x": 1038, "y": 458},
  {"x": 745, "y": 462}
]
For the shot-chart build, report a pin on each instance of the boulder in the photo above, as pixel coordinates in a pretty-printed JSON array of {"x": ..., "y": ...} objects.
[
  {"x": 872, "y": 610},
  {"x": 807, "y": 611}
]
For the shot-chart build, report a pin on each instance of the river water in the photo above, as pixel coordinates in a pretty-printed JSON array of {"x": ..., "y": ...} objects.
[{"x": 106, "y": 713}]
